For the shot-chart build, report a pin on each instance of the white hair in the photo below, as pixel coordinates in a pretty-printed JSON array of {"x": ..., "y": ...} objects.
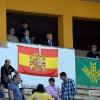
[
  {"x": 48, "y": 34},
  {"x": 94, "y": 46}
]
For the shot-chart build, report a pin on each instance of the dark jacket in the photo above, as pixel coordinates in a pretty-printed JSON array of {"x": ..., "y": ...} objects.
[
  {"x": 24, "y": 40},
  {"x": 92, "y": 55},
  {"x": 46, "y": 43}
]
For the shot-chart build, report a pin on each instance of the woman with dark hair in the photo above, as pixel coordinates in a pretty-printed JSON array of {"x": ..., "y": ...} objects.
[
  {"x": 22, "y": 92},
  {"x": 40, "y": 94}
]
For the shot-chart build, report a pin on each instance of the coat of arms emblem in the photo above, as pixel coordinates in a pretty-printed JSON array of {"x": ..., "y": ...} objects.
[{"x": 37, "y": 62}]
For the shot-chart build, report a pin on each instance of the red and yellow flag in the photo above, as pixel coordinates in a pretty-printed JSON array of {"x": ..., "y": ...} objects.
[{"x": 32, "y": 63}]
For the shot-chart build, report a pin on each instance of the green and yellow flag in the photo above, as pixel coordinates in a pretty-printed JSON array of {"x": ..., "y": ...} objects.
[{"x": 87, "y": 72}]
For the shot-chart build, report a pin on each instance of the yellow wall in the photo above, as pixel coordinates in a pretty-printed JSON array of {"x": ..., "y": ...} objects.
[
  {"x": 65, "y": 9},
  {"x": 2, "y": 20}
]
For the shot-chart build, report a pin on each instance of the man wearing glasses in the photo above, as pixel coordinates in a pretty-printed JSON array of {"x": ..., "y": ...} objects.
[
  {"x": 13, "y": 89},
  {"x": 93, "y": 53},
  {"x": 11, "y": 37}
]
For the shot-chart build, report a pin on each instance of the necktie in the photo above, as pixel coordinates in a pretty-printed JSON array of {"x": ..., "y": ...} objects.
[
  {"x": 11, "y": 38},
  {"x": 50, "y": 43},
  {"x": 28, "y": 40}
]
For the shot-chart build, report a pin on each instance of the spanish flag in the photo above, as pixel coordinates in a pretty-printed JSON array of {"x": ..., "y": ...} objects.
[{"x": 32, "y": 63}]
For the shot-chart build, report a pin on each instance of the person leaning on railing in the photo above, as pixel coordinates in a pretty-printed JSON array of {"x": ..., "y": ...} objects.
[{"x": 93, "y": 53}]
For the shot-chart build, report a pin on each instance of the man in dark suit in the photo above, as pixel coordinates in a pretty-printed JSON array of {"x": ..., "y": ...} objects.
[
  {"x": 49, "y": 40},
  {"x": 26, "y": 38},
  {"x": 20, "y": 33}
]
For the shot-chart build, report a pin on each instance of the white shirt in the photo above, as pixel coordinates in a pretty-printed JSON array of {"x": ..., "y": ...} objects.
[{"x": 50, "y": 42}]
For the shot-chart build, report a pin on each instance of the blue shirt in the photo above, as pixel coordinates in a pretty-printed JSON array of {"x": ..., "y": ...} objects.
[
  {"x": 68, "y": 89},
  {"x": 16, "y": 91},
  {"x": 1, "y": 94}
]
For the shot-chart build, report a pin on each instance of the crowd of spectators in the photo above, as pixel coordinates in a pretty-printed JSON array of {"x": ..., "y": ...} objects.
[
  {"x": 68, "y": 88},
  {"x": 24, "y": 35},
  {"x": 52, "y": 92}
]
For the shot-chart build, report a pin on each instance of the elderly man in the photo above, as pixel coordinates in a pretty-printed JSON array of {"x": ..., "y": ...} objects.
[
  {"x": 11, "y": 37},
  {"x": 93, "y": 53},
  {"x": 49, "y": 40}
]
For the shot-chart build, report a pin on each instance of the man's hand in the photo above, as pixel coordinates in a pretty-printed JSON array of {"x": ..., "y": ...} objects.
[
  {"x": 15, "y": 72},
  {"x": 53, "y": 96},
  {"x": 71, "y": 98}
]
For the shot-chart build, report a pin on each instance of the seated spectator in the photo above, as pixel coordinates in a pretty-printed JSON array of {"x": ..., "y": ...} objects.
[
  {"x": 53, "y": 89},
  {"x": 13, "y": 89},
  {"x": 49, "y": 40},
  {"x": 6, "y": 71},
  {"x": 23, "y": 93},
  {"x": 20, "y": 33},
  {"x": 11, "y": 37},
  {"x": 33, "y": 91},
  {"x": 40, "y": 94},
  {"x": 93, "y": 53},
  {"x": 26, "y": 38},
  {"x": 2, "y": 92}
]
